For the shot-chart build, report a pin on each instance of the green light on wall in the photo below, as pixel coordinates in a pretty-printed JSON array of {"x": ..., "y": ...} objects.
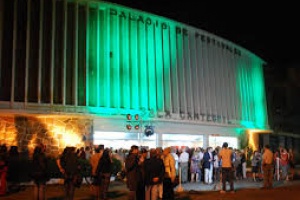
[
  {"x": 259, "y": 95},
  {"x": 250, "y": 85},
  {"x": 127, "y": 62}
]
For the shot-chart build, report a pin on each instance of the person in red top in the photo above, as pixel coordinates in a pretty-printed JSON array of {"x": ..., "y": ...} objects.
[
  {"x": 284, "y": 160},
  {"x": 3, "y": 174},
  {"x": 291, "y": 162}
]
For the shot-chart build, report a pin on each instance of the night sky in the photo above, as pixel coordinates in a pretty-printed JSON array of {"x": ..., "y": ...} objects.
[{"x": 268, "y": 30}]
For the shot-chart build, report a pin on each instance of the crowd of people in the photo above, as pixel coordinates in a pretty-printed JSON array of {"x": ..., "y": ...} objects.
[{"x": 152, "y": 173}]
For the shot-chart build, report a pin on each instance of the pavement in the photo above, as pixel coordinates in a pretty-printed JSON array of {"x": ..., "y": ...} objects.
[
  {"x": 245, "y": 189},
  {"x": 118, "y": 190}
]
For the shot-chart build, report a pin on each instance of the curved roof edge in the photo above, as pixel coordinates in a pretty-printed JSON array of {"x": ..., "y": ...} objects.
[{"x": 248, "y": 52}]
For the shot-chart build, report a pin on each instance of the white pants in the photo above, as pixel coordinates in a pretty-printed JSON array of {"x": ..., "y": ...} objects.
[
  {"x": 208, "y": 172},
  {"x": 244, "y": 170}
]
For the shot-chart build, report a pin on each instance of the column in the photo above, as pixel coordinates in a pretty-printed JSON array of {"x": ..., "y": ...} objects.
[{"x": 205, "y": 141}]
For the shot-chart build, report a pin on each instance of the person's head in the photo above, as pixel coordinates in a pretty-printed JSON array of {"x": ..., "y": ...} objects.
[
  {"x": 267, "y": 146},
  {"x": 107, "y": 153},
  {"x": 97, "y": 149},
  {"x": 209, "y": 149},
  {"x": 144, "y": 152},
  {"x": 153, "y": 153},
  {"x": 217, "y": 149},
  {"x": 225, "y": 145},
  {"x": 37, "y": 150},
  {"x": 173, "y": 150},
  {"x": 134, "y": 149},
  {"x": 3, "y": 148},
  {"x": 166, "y": 151},
  {"x": 101, "y": 147}
]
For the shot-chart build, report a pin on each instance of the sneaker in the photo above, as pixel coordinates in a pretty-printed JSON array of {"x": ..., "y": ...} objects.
[{"x": 222, "y": 191}]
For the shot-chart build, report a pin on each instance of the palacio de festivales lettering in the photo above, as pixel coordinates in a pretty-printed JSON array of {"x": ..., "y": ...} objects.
[{"x": 179, "y": 30}]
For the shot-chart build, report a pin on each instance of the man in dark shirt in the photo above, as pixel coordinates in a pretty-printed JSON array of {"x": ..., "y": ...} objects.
[{"x": 154, "y": 174}]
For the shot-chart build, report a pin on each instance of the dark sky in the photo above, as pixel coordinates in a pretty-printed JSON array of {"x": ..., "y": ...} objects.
[{"x": 268, "y": 30}]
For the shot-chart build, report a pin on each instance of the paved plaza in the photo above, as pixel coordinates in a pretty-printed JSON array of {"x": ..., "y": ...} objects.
[{"x": 245, "y": 189}]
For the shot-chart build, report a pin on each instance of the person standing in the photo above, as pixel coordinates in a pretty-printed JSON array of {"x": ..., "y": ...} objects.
[
  {"x": 176, "y": 158},
  {"x": 184, "y": 165},
  {"x": 291, "y": 162},
  {"x": 276, "y": 160},
  {"x": 104, "y": 172},
  {"x": 267, "y": 166},
  {"x": 94, "y": 160},
  {"x": 217, "y": 165},
  {"x": 154, "y": 175},
  {"x": 244, "y": 164},
  {"x": 227, "y": 169},
  {"x": 255, "y": 163},
  {"x": 69, "y": 166},
  {"x": 39, "y": 173},
  {"x": 208, "y": 165},
  {"x": 3, "y": 174},
  {"x": 133, "y": 173},
  {"x": 194, "y": 167},
  {"x": 170, "y": 174},
  {"x": 284, "y": 161},
  {"x": 14, "y": 169}
]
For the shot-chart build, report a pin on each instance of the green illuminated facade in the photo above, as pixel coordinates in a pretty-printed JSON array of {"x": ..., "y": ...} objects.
[{"x": 103, "y": 60}]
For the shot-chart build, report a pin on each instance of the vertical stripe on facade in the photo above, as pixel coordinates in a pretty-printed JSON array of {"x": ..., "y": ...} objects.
[
  {"x": 27, "y": 50},
  {"x": 1, "y": 36},
  {"x": 39, "y": 83},
  {"x": 174, "y": 71},
  {"x": 75, "y": 58},
  {"x": 52, "y": 52},
  {"x": 12, "y": 97},
  {"x": 166, "y": 66},
  {"x": 194, "y": 76}
]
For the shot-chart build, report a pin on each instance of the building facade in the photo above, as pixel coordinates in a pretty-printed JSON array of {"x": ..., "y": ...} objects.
[{"x": 76, "y": 69}]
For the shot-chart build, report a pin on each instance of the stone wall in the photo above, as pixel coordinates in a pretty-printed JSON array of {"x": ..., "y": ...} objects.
[{"x": 56, "y": 132}]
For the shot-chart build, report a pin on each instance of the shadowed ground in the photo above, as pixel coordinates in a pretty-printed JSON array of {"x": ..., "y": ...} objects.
[{"x": 245, "y": 190}]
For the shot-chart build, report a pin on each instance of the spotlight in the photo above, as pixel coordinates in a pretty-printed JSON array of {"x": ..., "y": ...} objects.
[
  {"x": 128, "y": 117},
  {"x": 128, "y": 126},
  {"x": 136, "y": 117},
  {"x": 149, "y": 131}
]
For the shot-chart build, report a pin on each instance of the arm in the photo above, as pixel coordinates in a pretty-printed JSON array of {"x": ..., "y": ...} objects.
[
  {"x": 172, "y": 168},
  {"x": 130, "y": 163},
  {"x": 61, "y": 169}
]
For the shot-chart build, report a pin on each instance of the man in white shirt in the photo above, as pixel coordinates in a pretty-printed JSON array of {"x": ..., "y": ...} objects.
[{"x": 184, "y": 162}]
